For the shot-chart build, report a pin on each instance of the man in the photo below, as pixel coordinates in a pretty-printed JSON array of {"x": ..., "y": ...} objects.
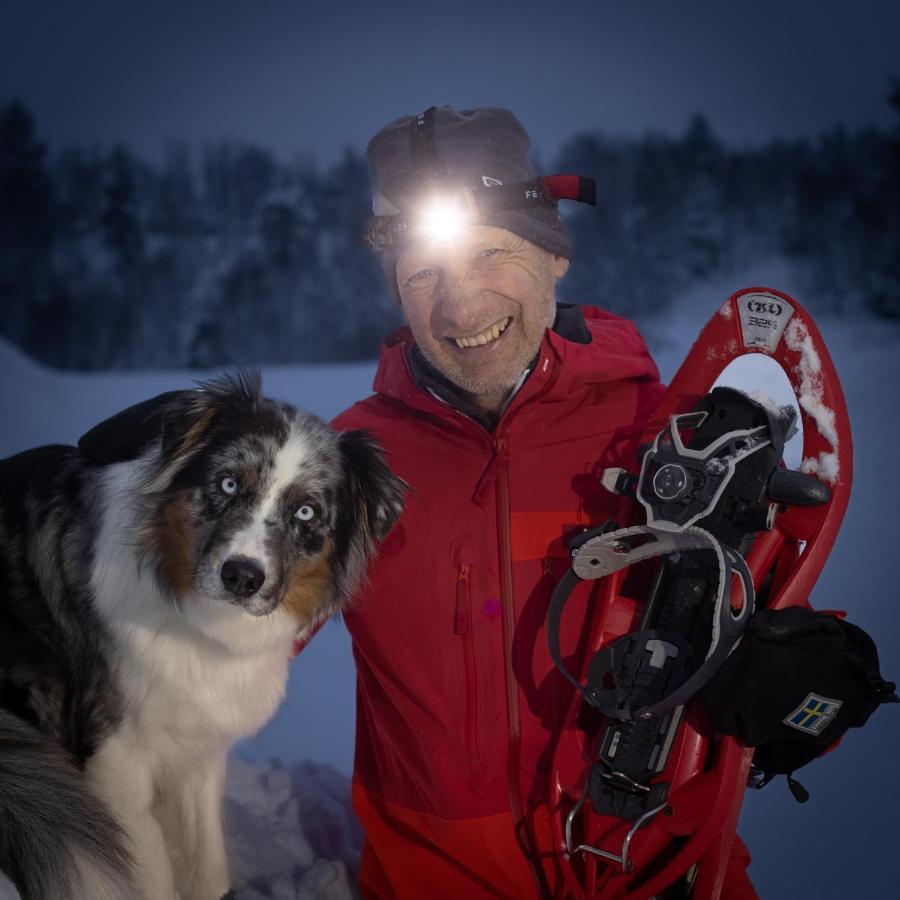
[{"x": 498, "y": 408}]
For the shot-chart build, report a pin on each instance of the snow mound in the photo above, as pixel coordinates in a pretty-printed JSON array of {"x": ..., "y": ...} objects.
[
  {"x": 291, "y": 833},
  {"x": 16, "y": 363}
]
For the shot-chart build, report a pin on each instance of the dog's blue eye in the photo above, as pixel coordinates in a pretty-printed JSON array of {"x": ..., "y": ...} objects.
[
  {"x": 306, "y": 513},
  {"x": 229, "y": 485}
]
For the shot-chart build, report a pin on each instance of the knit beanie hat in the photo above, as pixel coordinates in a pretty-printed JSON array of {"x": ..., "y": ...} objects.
[{"x": 469, "y": 148}]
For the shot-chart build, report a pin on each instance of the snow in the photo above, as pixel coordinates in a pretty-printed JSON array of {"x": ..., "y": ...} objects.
[
  {"x": 291, "y": 832},
  {"x": 778, "y": 410},
  {"x": 825, "y": 467},
  {"x": 290, "y": 825},
  {"x": 809, "y": 369}
]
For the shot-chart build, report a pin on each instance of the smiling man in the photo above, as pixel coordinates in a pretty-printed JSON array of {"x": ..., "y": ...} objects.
[
  {"x": 478, "y": 306},
  {"x": 497, "y": 406}
]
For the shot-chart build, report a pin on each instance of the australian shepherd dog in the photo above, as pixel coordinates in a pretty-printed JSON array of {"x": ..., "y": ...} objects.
[{"x": 149, "y": 605}]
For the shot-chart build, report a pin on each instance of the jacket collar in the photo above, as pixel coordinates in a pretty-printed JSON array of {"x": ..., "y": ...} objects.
[
  {"x": 569, "y": 324},
  {"x": 587, "y": 346}
]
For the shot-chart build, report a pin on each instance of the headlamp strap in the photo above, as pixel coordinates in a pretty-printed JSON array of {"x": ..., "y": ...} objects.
[
  {"x": 570, "y": 187},
  {"x": 427, "y": 164},
  {"x": 545, "y": 191}
]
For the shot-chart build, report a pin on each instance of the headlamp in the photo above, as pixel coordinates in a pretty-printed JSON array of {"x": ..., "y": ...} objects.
[{"x": 442, "y": 217}]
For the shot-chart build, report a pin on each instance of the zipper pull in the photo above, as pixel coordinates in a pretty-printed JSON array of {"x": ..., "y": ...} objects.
[
  {"x": 801, "y": 794},
  {"x": 491, "y": 473},
  {"x": 461, "y": 615}
]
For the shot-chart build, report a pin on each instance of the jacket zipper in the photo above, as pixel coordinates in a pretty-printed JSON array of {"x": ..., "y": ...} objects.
[
  {"x": 507, "y": 599},
  {"x": 462, "y": 625}
]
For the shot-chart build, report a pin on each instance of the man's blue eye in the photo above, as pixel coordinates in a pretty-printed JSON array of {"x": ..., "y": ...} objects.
[
  {"x": 422, "y": 274},
  {"x": 491, "y": 251}
]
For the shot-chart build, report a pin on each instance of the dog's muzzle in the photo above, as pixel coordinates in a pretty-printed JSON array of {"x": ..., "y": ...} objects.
[{"x": 242, "y": 576}]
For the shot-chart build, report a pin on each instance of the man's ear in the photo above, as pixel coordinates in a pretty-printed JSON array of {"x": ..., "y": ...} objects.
[
  {"x": 371, "y": 503},
  {"x": 560, "y": 266}
]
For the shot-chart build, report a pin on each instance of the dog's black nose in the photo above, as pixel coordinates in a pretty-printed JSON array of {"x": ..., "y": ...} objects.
[{"x": 242, "y": 577}]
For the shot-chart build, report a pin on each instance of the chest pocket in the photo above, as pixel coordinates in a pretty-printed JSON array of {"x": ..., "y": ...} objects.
[{"x": 476, "y": 630}]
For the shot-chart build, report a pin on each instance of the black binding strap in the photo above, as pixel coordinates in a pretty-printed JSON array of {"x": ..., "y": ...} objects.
[
  {"x": 727, "y": 625},
  {"x": 554, "y": 617}
]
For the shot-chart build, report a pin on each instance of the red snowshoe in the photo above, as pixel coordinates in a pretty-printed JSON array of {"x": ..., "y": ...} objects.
[{"x": 717, "y": 526}]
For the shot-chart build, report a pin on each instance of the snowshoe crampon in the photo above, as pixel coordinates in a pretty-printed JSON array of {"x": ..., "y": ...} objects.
[{"x": 723, "y": 528}]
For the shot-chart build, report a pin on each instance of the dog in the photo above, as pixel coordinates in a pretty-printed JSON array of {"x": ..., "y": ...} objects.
[{"x": 149, "y": 607}]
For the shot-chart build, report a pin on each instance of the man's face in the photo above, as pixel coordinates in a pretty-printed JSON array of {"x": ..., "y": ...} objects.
[{"x": 478, "y": 306}]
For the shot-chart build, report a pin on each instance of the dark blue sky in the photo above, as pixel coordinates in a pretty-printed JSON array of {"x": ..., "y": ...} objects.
[{"x": 314, "y": 77}]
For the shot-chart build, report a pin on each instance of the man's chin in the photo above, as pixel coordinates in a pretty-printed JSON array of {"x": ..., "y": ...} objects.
[
  {"x": 481, "y": 388},
  {"x": 488, "y": 375},
  {"x": 479, "y": 368}
]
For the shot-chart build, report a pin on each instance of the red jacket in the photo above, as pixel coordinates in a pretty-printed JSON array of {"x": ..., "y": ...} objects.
[{"x": 458, "y": 702}]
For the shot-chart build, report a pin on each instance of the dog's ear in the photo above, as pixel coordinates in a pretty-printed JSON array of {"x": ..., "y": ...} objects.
[
  {"x": 186, "y": 421},
  {"x": 127, "y": 434},
  {"x": 184, "y": 426},
  {"x": 371, "y": 504}
]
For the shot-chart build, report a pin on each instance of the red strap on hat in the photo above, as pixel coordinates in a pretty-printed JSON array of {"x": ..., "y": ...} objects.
[{"x": 571, "y": 187}]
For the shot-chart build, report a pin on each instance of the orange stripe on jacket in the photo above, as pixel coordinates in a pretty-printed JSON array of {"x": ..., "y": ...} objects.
[
  {"x": 535, "y": 535},
  {"x": 423, "y": 854}
]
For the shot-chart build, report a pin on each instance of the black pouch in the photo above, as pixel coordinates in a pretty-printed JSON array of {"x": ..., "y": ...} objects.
[{"x": 795, "y": 683}]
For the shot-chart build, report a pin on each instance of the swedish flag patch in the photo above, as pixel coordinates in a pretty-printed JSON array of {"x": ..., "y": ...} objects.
[{"x": 814, "y": 714}]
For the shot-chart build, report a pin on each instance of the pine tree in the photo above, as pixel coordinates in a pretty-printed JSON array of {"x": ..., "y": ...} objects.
[
  {"x": 884, "y": 299},
  {"x": 122, "y": 229},
  {"x": 25, "y": 222}
]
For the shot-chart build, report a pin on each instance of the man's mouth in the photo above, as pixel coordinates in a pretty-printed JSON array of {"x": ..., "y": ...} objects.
[{"x": 489, "y": 335}]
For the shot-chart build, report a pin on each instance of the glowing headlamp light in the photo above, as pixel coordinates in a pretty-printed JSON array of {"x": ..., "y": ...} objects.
[{"x": 442, "y": 218}]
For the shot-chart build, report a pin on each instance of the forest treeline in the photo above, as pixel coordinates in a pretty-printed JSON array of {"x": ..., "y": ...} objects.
[{"x": 228, "y": 255}]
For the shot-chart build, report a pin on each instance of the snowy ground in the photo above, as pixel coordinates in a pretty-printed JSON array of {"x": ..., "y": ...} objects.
[{"x": 289, "y": 821}]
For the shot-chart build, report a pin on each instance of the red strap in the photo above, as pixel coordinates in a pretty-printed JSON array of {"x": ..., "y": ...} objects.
[{"x": 571, "y": 187}]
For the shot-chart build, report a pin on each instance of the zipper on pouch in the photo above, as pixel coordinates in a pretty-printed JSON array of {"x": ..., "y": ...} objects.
[{"x": 462, "y": 625}]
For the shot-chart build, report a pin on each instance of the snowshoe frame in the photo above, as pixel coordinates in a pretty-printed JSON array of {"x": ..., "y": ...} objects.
[{"x": 686, "y": 841}]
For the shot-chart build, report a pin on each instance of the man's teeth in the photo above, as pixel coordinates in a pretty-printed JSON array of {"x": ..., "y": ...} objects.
[{"x": 486, "y": 336}]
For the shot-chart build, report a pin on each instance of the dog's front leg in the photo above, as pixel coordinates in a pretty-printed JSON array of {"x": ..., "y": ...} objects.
[
  {"x": 190, "y": 809},
  {"x": 121, "y": 776}
]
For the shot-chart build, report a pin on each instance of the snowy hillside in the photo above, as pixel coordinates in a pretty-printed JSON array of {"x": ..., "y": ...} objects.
[{"x": 848, "y": 822}]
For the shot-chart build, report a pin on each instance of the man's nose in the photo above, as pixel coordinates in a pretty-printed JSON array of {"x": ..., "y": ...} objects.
[{"x": 459, "y": 302}]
